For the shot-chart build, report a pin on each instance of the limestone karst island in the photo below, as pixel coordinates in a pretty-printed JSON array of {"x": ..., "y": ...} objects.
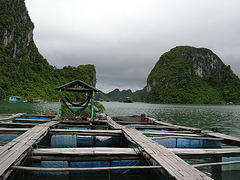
[{"x": 56, "y": 124}]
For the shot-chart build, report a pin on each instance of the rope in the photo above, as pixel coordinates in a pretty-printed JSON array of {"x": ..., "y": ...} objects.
[
  {"x": 80, "y": 104},
  {"x": 83, "y": 107}
]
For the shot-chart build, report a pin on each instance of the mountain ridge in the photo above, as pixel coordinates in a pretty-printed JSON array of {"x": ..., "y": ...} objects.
[
  {"x": 24, "y": 71},
  {"x": 192, "y": 75}
]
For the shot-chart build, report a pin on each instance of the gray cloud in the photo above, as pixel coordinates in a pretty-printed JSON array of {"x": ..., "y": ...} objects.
[{"x": 124, "y": 39}]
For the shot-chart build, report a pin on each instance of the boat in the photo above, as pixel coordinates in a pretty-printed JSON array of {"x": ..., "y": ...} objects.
[
  {"x": 17, "y": 99},
  {"x": 127, "y": 100},
  {"x": 120, "y": 100}
]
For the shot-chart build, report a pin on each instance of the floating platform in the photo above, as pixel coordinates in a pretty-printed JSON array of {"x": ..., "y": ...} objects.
[{"x": 36, "y": 145}]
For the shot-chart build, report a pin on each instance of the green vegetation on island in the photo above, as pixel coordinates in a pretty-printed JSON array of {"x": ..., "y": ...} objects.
[
  {"x": 114, "y": 95},
  {"x": 23, "y": 70},
  {"x": 190, "y": 75}
]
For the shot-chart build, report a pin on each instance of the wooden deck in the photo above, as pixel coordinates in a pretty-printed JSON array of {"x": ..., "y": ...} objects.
[
  {"x": 172, "y": 166},
  {"x": 13, "y": 152},
  {"x": 167, "y": 161}
]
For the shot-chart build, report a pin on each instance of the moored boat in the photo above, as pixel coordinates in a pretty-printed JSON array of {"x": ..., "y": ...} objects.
[
  {"x": 127, "y": 100},
  {"x": 17, "y": 99}
]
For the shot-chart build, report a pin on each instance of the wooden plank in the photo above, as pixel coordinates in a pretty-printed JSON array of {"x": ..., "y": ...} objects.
[
  {"x": 215, "y": 164},
  {"x": 17, "y": 124},
  {"x": 89, "y": 158},
  {"x": 13, "y": 130},
  {"x": 200, "y": 153},
  {"x": 175, "y": 126},
  {"x": 87, "y": 126},
  {"x": 11, "y": 152},
  {"x": 95, "y": 122},
  {"x": 113, "y": 124},
  {"x": 32, "y": 120},
  {"x": 167, "y": 133},
  {"x": 11, "y": 116},
  {"x": 172, "y": 166},
  {"x": 83, "y": 169},
  {"x": 187, "y": 137},
  {"x": 87, "y": 132},
  {"x": 86, "y": 151},
  {"x": 133, "y": 122},
  {"x": 235, "y": 141},
  {"x": 40, "y": 115}
]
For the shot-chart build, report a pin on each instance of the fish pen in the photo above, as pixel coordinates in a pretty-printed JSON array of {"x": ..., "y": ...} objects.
[{"x": 109, "y": 149}]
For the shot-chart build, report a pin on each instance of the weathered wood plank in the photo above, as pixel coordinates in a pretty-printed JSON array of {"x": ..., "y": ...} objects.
[
  {"x": 83, "y": 169},
  {"x": 87, "y": 132},
  {"x": 17, "y": 124},
  {"x": 13, "y": 130},
  {"x": 215, "y": 164},
  {"x": 235, "y": 141},
  {"x": 11, "y": 116},
  {"x": 31, "y": 120},
  {"x": 187, "y": 137},
  {"x": 113, "y": 124},
  {"x": 86, "y": 151},
  {"x": 168, "y": 133},
  {"x": 175, "y": 126},
  {"x": 89, "y": 158},
  {"x": 82, "y": 126},
  {"x": 11, "y": 152},
  {"x": 172, "y": 166},
  {"x": 199, "y": 153}
]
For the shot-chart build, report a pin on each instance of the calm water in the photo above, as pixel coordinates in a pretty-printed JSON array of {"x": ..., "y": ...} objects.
[{"x": 225, "y": 117}]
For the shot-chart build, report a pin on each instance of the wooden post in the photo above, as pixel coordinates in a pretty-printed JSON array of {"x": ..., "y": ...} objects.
[
  {"x": 59, "y": 105},
  {"x": 92, "y": 106}
]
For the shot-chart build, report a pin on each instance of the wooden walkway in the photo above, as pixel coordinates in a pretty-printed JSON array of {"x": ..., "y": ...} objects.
[
  {"x": 13, "y": 153},
  {"x": 7, "y": 117},
  {"x": 167, "y": 161},
  {"x": 172, "y": 166}
]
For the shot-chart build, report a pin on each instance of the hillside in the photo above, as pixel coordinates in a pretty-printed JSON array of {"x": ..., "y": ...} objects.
[
  {"x": 24, "y": 71},
  {"x": 191, "y": 75},
  {"x": 114, "y": 95}
]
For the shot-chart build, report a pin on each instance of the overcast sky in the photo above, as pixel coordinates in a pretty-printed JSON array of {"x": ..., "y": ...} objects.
[{"x": 125, "y": 38}]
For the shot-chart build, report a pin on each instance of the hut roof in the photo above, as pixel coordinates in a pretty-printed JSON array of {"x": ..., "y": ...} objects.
[{"x": 77, "y": 86}]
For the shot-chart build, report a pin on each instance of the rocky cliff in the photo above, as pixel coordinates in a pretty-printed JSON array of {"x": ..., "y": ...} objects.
[
  {"x": 191, "y": 75},
  {"x": 23, "y": 70},
  {"x": 16, "y": 28}
]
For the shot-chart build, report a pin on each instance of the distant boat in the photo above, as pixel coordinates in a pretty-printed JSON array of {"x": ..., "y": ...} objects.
[
  {"x": 127, "y": 100},
  {"x": 108, "y": 100},
  {"x": 17, "y": 99},
  {"x": 120, "y": 100}
]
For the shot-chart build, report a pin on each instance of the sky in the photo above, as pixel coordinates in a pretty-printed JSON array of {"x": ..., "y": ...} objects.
[{"x": 125, "y": 38}]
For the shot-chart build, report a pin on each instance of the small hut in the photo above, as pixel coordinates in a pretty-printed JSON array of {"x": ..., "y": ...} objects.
[{"x": 76, "y": 97}]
